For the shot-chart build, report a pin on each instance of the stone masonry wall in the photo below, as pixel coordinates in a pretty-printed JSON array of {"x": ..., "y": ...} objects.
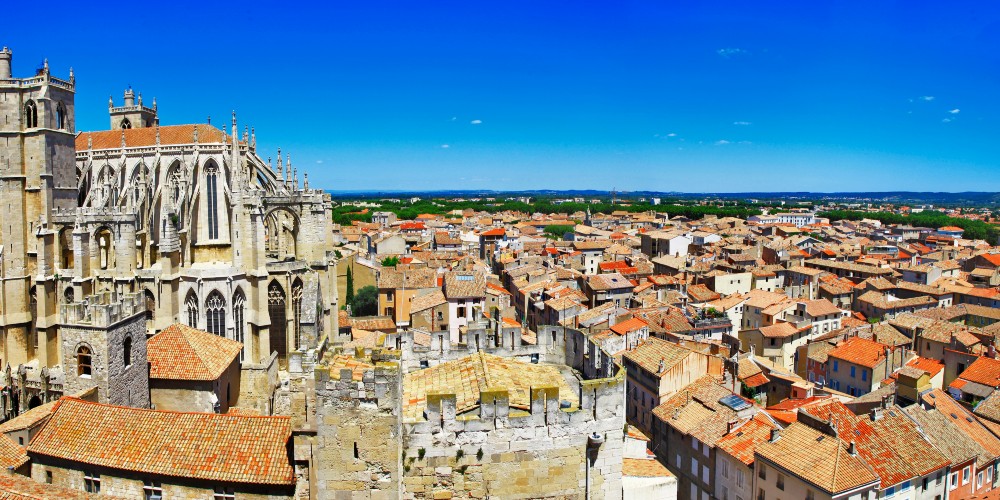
[{"x": 358, "y": 441}]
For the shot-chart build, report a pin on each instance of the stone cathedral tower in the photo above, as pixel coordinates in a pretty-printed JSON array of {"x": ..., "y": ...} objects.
[{"x": 37, "y": 177}]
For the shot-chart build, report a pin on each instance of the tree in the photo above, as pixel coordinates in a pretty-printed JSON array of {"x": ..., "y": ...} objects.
[
  {"x": 557, "y": 231},
  {"x": 365, "y": 303},
  {"x": 390, "y": 261},
  {"x": 350, "y": 286}
]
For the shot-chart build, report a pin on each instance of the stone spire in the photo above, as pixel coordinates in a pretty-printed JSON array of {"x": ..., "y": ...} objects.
[
  {"x": 253, "y": 138},
  {"x": 280, "y": 165},
  {"x": 157, "y": 126},
  {"x": 305, "y": 185}
]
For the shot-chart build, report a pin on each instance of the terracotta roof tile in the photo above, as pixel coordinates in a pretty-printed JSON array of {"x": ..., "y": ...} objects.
[
  {"x": 142, "y": 137},
  {"x": 180, "y": 352},
  {"x": 209, "y": 446},
  {"x": 649, "y": 354},
  {"x": 860, "y": 351},
  {"x": 638, "y": 467},
  {"x": 741, "y": 442},
  {"x": 820, "y": 459}
]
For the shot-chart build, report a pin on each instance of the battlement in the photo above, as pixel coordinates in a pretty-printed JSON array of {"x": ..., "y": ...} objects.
[{"x": 102, "y": 309}]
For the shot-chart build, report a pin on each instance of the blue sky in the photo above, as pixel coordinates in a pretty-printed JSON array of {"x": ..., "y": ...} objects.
[{"x": 669, "y": 96}]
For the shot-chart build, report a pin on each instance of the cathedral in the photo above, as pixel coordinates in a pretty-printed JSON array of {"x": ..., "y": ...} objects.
[{"x": 110, "y": 236}]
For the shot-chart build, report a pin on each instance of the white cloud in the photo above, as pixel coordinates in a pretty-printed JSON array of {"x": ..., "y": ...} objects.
[
  {"x": 743, "y": 124},
  {"x": 926, "y": 98},
  {"x": 445, "y": 146},
  {"x": 723, "y": 142},
  {"x": 671, "y": 135},
  {"x": 476, "y": 122},
  {"x": 319, "y": 162},
  {"x": 729, "y": 52},
  {"x": 955, "y": 111},
  {"x": 454, "y": 118},
  {"x": 946, "y": 120}
]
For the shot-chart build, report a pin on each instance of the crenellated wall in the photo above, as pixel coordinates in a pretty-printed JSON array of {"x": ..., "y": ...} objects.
[{"x": 497, "y": 451}]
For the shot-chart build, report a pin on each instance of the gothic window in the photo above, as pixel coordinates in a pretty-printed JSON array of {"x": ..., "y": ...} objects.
[
  {"x": 126, "y": 124},
  {"x": 215, "y": 314},
  {"x": 297, "y": 312},
  {"x": 239, "y": 304},
  {"x": 127, "y": 351},
  {"x": 276, "y": 309},
  {"x": 30, "y": 115},
  {"x": 60, "y": 116},
  {"x": 211, "y": 172},
  {"x": 191, "y": 306},
  {"x": 83, "y": 357}
]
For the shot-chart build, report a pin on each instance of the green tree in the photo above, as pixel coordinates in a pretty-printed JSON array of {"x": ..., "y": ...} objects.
[
  {"x": 350, "y": 286},
  {"x": 557, "y": 231},
  {"x": 365, "y": 303},
  {"x": 390, "y": 261}
]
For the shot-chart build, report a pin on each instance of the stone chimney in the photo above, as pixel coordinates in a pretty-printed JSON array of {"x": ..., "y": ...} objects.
[
  {"x": 852, "y": 449},
  {"x": 663, "y": 365},
  {"x": 775, "y": 434}
]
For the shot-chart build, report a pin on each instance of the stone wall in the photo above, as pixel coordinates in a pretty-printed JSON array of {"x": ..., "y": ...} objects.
[
  {"x": 128, "y": 484},
  {"x": 358, "y": 440},
  {"x": 116, "y": 384}
]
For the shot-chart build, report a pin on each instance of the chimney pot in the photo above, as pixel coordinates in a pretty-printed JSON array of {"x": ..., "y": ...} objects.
[{"x": 775, "y": 434}]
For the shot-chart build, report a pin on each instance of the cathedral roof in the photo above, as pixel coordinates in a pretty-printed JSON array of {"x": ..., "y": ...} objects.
[
  {"x": 143, "y": 137},
  {"x": 180, "y": 352}
]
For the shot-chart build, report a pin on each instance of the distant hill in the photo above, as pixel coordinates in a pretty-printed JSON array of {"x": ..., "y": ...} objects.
[{"x": 969, "y": 198}]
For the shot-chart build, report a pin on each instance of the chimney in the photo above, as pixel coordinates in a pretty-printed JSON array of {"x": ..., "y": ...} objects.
[
  {"x": 731, "y": 425},
  {"x": 852, "y": 449},
  {"x": 875, "y": 414},
  {"x": 774, "y": 435},
  {"x": 663, "y": 364}
]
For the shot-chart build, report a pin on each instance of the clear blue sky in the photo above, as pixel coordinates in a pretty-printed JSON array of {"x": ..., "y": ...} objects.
[{"x": 684, "y": 96}]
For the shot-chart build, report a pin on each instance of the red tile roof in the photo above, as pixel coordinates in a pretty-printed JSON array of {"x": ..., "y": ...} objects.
[
  {"x": 494, "y": 232},
  {"x": 741, "y": 442},
  {"x": 141, "y": 137},
  {"x": 208, "y": 446},
  {"x": 984, "y": 371},
  {"x": 629, "y": 325},
  {"x": 860, "y": 351},
  {"x": 180, "y": 352}
]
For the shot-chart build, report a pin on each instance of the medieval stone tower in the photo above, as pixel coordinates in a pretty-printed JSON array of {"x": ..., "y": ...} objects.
[{"x": 37, "y": 176}]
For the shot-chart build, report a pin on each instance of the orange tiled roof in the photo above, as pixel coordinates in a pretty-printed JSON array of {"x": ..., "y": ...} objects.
[
  {"x": 741, "y": 442},
  {"x": 12, "y": 455},
  {"x": 638, "y": 467},
  {"x": 180, "y": 352},
  {"x": 208, "y": 446},
  {"x": 984, "y": 371},
  {"x": 629, "y": 325},
  {"x": 494, "y": 232},
  {"x": 860, "y": 351},
  {"x": 142, "y": 137}
]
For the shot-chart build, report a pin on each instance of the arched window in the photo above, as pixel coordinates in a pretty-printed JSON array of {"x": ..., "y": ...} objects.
[
  {"x": 215, "y": 314},
  {"x": 126, "y": 124},
  {"x": 30, "y": 115},
  {"x": 211, "y": 173},
  {"x": 279, "y": 327},
  {"x": 60, "y": 116},
  {"x": 127, "y": 351},
  {"x": 69, "y": 295},
  {"x": 191, "y": 306},
  {"x": 83, "y": 357},
  {"x": 239, "y": 304}
]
